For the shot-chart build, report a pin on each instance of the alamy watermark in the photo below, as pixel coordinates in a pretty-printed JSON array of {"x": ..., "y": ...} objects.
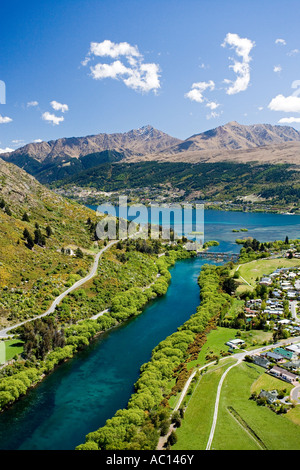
[
  {"x": 165, "y": 221},
  {"x": 2, "y": 92}
]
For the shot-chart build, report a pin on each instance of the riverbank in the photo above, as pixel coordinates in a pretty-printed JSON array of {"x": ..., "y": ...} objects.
[
  {"x": 147, "y": 409},
  {"x": 124, "y": 306}
]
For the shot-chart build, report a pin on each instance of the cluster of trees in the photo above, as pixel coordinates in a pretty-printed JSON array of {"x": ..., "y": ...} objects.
[
  {"x": 4, "y": 206},
  {"x": 41, "y": 336},
  {"x": 253, "y": 249},
  {"x": 38, "y": 238},
  {"x": 138, "y": 427},
  {"x": 137, "y": 270},
  {"x": 15, "y": 385},
  {"x": 143, "y": 246}
]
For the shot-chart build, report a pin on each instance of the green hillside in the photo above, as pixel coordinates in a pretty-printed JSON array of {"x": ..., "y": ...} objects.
[
  {"x": 209, "y": 181},
  {"x": 30, "y": 276}
]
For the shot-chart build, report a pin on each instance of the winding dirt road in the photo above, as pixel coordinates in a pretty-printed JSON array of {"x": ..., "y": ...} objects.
[{"x": 5, "y": 332}]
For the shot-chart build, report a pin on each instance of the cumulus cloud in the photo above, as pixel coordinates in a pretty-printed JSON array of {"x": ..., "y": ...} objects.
[
  {"x": 52, "y": 118},
  {"x": 108, "y": 48},
  {"x": 287, "y": 104},
  {"x": 293, "y": 52},
  {"x": 280, "y": 41},
  {"x": 114, "y": 70},
  {"x": 212, "y": 105},
  {"x": 59, "y": 106},
  {"x": 38, "y": 141},
  {"x": 196, "y": 92},
  {"x": 277, "y": 68},
  {"x": 6, "y": 150},
  {"x": 5, "y": 119},
  {"x": 289, "y": 120},
  {"x": 134, "y": 73},
  {"x": 32, "y": 104},
  {"x": 242, "y": 47}
]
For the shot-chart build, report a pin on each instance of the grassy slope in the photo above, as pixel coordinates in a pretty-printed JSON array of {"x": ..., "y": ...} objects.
[
  {"x": 237, "y": 388},
  {"x": 257, "y": 268},
  {"x": 28, "y": 278},
  {"x": 277, "y": 432}
]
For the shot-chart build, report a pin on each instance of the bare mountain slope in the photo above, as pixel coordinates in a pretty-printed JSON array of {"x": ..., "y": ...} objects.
[
  {"x": 138, "y": 142},
  {"x": 235, "y": 142},
  {"x": 263, "y": 143}
]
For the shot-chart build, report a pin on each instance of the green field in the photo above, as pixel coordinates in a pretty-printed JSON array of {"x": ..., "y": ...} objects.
[
  {"x": 242, "y": 424},
  {"x": 247, "y": 424},
  {"x": 194, "y": 431},
  {"x": 214, "y": 346},
  {"x": 8, "y": 349},
  {"x": 258, "y": 268},
  {"x": 2, "y": 352}
]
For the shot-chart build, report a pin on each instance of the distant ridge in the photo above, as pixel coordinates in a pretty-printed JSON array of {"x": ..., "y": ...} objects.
[
  {"x": 146, "y": 139},
  {"x": 232, "y": 142}
]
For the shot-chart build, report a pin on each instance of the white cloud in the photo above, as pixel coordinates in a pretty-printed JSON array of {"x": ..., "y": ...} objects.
[
  {"x": 52, "y": 118},
  {"x": 288, "y": 120},
  {"x": 114, "y": 70},
  {"x": 6, "y": 150},
  {"x": 196, "y": 93},
  {"x": 243, "y": 47},
  {"x": 260, "y": 108},
  {"x": 293, "y": 52},
  {"x": 5, "y": 119},
  {"x": 108, "y": 48},
  {"x": 287, "y": 104},
  {"x": 277, "y": 68},
  {"x": 146, "y": 78},
  {"x": 135, "y": 74},
  {"x": 37, "y": 141},
  {"x": 280, "y": 41},
  {"x": 213, "y": 115},
  {"x": 212, "y": 105},
  {"x": 59, "y": 106},
  {"x": 32, "y": 103}
]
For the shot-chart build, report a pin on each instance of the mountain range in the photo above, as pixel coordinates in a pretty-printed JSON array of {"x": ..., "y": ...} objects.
[{"x": 232, "y": 142}]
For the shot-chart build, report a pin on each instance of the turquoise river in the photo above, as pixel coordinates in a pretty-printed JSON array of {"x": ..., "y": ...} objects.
[{"x": 81, "y": 394}]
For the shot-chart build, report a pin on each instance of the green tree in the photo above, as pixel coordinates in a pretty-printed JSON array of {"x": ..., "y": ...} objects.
[
  {"x": 49, "y": 231},
  {"x": 25, "y": 217},
  {"x": 79, "y": 253}
]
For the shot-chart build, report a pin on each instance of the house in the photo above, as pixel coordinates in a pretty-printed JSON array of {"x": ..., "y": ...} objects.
[
  {"x": 295, "y": 348},
  {"x": 235, "y": 343},
  {"x": 295, "y": 365},
  {"x": 273, "y": 356},
  {"x": 266, "y": 281},
  {"x": 284, "y": 374},
  {"x": 271, "y": 396},
  {"x": 290, "y": 355},
  {"x": 261, "y": 361}
]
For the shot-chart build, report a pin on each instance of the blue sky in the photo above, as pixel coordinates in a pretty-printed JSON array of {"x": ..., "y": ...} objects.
[{"x": 75, "y": 68}]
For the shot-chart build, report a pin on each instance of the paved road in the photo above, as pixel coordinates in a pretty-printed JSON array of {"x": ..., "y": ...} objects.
[
  {"x": 295, "y": 394},
  {"x": 5, "y": 332}
]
